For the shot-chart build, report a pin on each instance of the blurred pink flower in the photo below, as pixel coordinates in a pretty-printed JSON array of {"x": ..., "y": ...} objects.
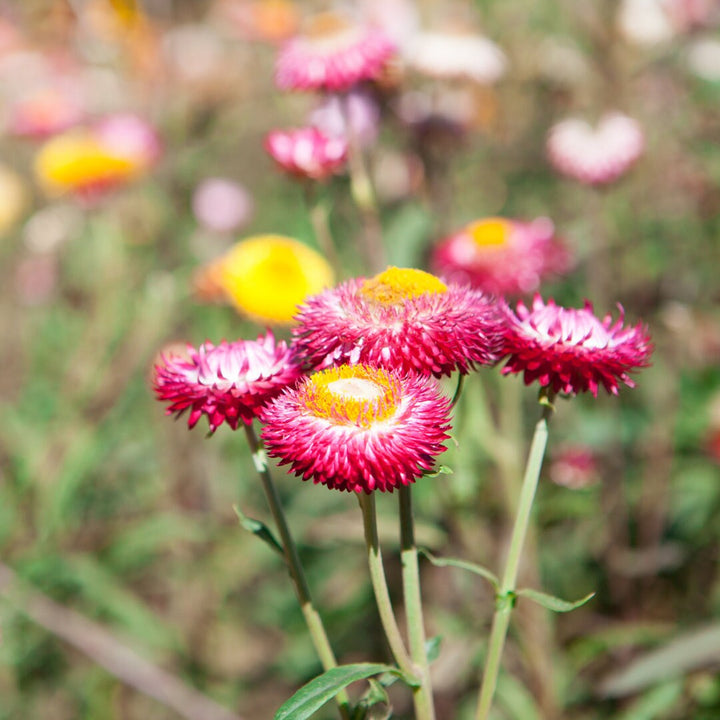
[
  {"x": 307, "y": 152},
  {"x": 358, "y": 428},
  {"x": 456, "y": 55},
  {"x": 571, "y": 350},
  {"x": 574, "y": 467},
  {"x": 333, "y": 55},
  {"x": 595, "y": 156},
  {"x": 129, "y": 136},
  {"x": 45, "y": 111},
  {"x": 221, "y": 205},
  {"x": 354, "y": 114},
  {"x": 506, "y": 257}
]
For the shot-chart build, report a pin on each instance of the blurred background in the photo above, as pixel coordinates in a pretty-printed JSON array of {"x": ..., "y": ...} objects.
[{"x": 131, "y": 159}]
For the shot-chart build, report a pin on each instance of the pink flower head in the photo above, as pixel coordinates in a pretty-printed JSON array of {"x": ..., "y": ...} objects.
[
  {"x": 332, "y": 56},
  {"x": 595, "y": 156},
  {"x": 571, "y": 350},
  {"x": 355, "y": 115},
  {"x": 221, "y": 205},
  {"x": 574, "y": 467},
  {"x": 307, "y": 153},
  {"x": 358, "y": 428},
  {"x": 45, "y": 111},
  {"x": 502, "y": 256},
  {"x": 402, "y": 318},
  {"x": 229, "y": 382},
  {"x": 129, "y": 136}
]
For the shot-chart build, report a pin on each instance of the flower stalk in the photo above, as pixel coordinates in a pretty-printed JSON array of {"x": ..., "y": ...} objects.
[
  {"x": 380, "y": 588},
  {"x": 422, "y": 695},
  {"x": 506, "y": 596},
  {"x": 314, "y": 622}
]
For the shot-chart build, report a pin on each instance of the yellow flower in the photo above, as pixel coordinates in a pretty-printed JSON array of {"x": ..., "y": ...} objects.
[
  {"x": 76, "y": 161},
  {"x": 267, "y": 276},
  {"x": 13, "y": 198}
]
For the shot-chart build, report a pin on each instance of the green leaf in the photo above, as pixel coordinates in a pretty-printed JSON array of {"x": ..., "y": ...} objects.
[
  {"x": 374, "y": 695},
  {"x": 432, "y": 647},
  {"x": 551, "y": 602},
  {"x": 684, "y": 654},
  {"x": 463, "y": 565},
  {"x": 259, "y": 529},
  {"x": 441, "y": 470},
  {"x": 313, "y": 695}
]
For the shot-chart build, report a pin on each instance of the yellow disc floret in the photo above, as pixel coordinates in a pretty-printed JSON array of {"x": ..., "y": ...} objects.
[
  {"x": 397, "y": 284},
  {"x": 352, "y": 395},
  {"x": 491, "y": 232},
  {"x": 267, "y": 276}
]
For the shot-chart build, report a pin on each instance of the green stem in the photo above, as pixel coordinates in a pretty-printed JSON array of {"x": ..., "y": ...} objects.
[
  {"x": 506, "y": 594},
  {"x": 363, "y": 195},
  {"x": 314, "y": 622},
  {"x": 380, "y": 589},
  {"x": 422, "y": 695},
  {"x": 319, "y": 217}
]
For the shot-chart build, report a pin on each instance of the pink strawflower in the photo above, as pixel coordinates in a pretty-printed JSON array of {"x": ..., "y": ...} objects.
[
  {"x": 307, "y": 152},
  {"x": 129, "y": 136},
  {"x": 229, "y": 382},
  {"x": 402, "y": 318},
  {"x": 355, "y": 115},
  {"x": 502, "y": 256},
  {"x": 574, "y": 467},
  {"x": 358, "y": 428},
  {"x": 332, "y": 56},
  {"x": 221, "y": 205},
  {"x": 571, "y": 350},
  {"x": 595, "y": 156}
]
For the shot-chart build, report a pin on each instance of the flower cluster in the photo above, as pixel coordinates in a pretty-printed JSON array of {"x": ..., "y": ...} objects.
[{"x": 370, "y": 416}]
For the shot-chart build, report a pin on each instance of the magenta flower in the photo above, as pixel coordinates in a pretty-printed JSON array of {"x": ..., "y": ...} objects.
[
  {"x": 307, "y": 153},
  {"x": 595, "y": 156},
  {"x": 402, "y": 318},
  {"x": 229, "y": 382},
  {"x": 506, "y": 257},
  {"x": 571, "y": 350},
  {"x": 333, "y": 56},
  {"x": 358, "y": 428}
]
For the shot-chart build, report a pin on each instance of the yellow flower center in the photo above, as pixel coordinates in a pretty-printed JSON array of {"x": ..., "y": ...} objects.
[
  {"x": 325, "y": 25},
  {"x": 397, "y": 284},
  {"x": 491, "y": 232},
  {"x": 267, "y": 276},
  {"x": 352, "y": 395}
]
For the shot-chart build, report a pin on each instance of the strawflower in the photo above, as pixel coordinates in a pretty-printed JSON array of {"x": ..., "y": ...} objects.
[
  {"x": 402, "y": 318},
  {"x": 595, "y": 156},
  {"x": 332, "y": 55},
  {"x": 456, "y": 55},
  {"x": 307, "y": 152},
  {"x": 229, "y": 382},
  {"x": 90, "y": 161},
  {"x": 358, "y": 428},
  {"x": 502, "y": 256},
  {"x": 267, "y": 276},
  {"x": 571, "y": 350}
]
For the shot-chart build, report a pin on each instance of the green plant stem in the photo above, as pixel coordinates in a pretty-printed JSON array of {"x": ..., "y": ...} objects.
[
  {"x": 380, "y": 589},
  {"x": 506, "y": 595},
  {"x": 314, "y": 622},
  {"x": 363, "y": 195},
  {"x": 422, "y": 695},
  {"x": 318, "y": 210}
]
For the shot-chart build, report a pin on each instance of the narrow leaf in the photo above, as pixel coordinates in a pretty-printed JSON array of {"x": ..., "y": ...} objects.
[
  {"x": 551, "y": 602},
  {"x": 259, "y": 529},
  {"x": 432, "y": 647},
  {"x": 463, "y": 565},
  {"x": 440, "y": 470},
  {"x": 686, "y": 653},
  {"x": 320, "y": 690}
]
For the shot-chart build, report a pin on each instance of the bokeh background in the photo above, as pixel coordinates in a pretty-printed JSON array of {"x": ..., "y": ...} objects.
[{"x": 117, "y": 527}]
